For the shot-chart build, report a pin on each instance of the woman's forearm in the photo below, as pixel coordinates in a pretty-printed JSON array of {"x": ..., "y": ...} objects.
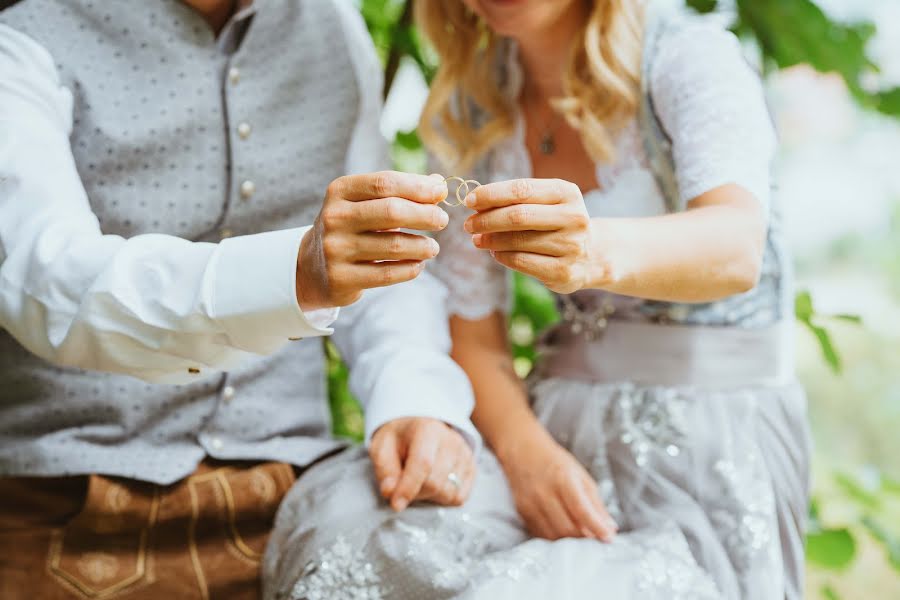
[
  {"x": 706, "y": 253},
  {"x": 502, "y": 413}
]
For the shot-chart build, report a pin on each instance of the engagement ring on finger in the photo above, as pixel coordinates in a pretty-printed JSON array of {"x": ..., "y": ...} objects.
[
  {"x": 453, "y": 478},
  {"x": 463, "y": 187}
]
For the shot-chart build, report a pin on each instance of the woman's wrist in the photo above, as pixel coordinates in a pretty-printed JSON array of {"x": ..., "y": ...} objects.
[
  {"x": 526, "y": 436},
  {"x": 603, "y": 270}
]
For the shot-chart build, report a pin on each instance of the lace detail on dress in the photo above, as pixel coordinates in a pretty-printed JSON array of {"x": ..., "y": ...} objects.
[
  {"x": 670, "y": 571},
  {"x": 712, "y": 107},
  {"x": 476, "y": 284},
  {"x": 340, "y": 572},
  {"x": 459, "y": 553}
]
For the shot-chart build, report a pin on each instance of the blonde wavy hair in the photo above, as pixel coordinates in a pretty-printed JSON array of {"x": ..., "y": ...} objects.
[{"x": 601, "y": 84}]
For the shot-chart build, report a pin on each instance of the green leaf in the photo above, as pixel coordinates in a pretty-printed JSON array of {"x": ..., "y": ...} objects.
[
  {"x": 855, "y": 319},
  {"x": 890, "y": 542},
  {"x": 889, "y": 485},
  {"x": 534, "y": 301},
  {"x": 793, "y": 32},
  {"x": 832, "y": 549},
  {"x": 828, "y": 350},
  {"x": 855, "y": 491},
  {"x": 803, "y": 306},
  {"x": 888, "y": 102},
  {"x": 408, "y": 140},
  {"x": 703, "y": 6},
  {"x": 829, "y": 594}
]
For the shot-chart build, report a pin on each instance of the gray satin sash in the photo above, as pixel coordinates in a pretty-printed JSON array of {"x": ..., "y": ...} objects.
[{"x": 670, "y": 355}]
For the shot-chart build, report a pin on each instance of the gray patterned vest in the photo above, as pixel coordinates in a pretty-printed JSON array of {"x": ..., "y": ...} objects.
[{"x": 164, "y": 144}]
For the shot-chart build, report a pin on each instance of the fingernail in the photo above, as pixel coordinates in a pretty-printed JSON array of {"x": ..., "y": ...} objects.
[
  {"x": 445, "y": 219},
  {"x": 440, "y": 190},
  {"x": 470, "y": 199},
  {"x": 469, "y": 227},
  {"x": 476, "y": 239},
  {"x": 611, "y": 524},
  {"x": 387, "y": 486},
  {"x": 400, "y": 504},
  {"x": 435, "y": 248}
]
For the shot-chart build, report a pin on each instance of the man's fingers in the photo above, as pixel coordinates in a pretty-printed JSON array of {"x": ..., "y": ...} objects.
[
  {"x": 523, "y": 217},
  {"x": 467, "y": 473},
  {"x": 548, "y": 243},
  {"x": 384, "y": 184},
  {"x": 416, "y": 469},
  {"x": 521, "y": 191},
  {"x": 383, "y": 214},
  {"x": 385, "y": 454},
  {"x": 437, "y": 486},
  {"x": 586, "y": 514},
  {"x": 393, "y": 246},
  {"x": 374, "y": 275}
]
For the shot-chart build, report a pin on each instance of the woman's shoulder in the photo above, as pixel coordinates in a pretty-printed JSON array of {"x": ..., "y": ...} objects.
[{"x": 693, "y": 51}]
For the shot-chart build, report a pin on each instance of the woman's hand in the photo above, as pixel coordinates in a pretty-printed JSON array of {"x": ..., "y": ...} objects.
[
  {"x": 554, "y": 494},
  {"x": 539, "y": 227},
  {"x": 418, "y": 458}
]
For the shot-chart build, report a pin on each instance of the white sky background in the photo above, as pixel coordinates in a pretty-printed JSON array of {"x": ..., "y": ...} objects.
[{"x": 839, "y": 171}]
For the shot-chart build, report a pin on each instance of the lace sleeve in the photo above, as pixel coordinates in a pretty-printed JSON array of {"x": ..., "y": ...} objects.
[
  {"x": 712, "y": 105},
  {"x": 476, "y": 284}
]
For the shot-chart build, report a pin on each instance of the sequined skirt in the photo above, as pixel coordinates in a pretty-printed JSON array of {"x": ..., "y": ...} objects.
[{"x": 708, "y": 481}]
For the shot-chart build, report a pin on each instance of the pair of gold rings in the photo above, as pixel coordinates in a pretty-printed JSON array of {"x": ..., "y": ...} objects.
[{"x": 463, "y": 187}]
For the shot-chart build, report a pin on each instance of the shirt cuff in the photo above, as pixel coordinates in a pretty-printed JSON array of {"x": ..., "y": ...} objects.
[{"x": 254, "y": 292}]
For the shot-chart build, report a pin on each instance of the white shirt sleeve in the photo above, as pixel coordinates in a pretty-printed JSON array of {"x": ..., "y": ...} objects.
[
  {"x": 712, "y": 105},
  {"x": 157, "y": 307},
  {"x": 396, "y": 340}
]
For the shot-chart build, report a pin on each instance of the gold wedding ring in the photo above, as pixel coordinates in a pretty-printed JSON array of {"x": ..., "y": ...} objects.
[{"x": 463, "y": 187}]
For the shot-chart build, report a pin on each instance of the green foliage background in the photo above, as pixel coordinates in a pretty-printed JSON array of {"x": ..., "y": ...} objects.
[{"x": 786, "y": 33}]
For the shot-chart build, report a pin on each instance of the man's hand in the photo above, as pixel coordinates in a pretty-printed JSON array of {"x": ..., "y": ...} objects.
[
  {"x": 353, "y": 244},
  {"x": 419, "y": 458}
]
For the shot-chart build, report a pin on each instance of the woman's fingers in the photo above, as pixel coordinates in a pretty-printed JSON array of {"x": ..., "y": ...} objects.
[
  {"x": 589, "y": 516},
  {"x": 522, "y": 191},
  {"x": 525, "y": 217},
  {"x": 544, "y": 268},
  {"x": 392, "y": 245},
  {"x": 548, "y": 243},
  {"x": 557, "y": 517}
]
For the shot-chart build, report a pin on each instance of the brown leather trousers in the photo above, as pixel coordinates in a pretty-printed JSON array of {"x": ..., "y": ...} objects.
[{"x": 107, "y": 537}]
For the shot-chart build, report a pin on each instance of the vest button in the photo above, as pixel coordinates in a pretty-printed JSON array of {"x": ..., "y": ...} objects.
[
  {"x": 216, "y": 443},
  {"x": 248, "y": 188},
  {"x": 234, "y": 75},
  {"x": 244, "y": 130},
  {"x": 227, "y": 393}
]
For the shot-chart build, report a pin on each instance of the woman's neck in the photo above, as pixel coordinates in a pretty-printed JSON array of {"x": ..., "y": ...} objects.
[{"x": 545, "y": 56}]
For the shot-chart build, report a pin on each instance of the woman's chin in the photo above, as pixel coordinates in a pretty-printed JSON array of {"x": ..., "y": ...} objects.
[{"x": 519, "y": 18}]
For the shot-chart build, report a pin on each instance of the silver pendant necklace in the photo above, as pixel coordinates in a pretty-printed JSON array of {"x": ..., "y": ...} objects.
[{"x": 548, "y": 144}]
